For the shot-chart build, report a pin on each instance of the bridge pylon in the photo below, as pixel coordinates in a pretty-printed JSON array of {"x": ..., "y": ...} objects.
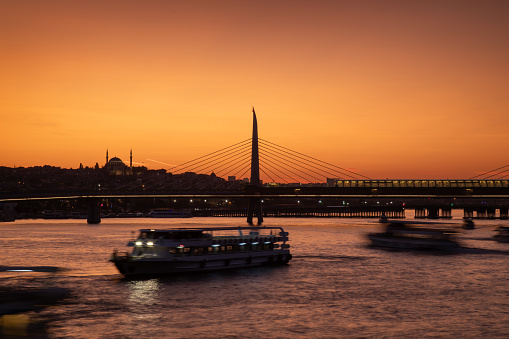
[{"x": 255, "y": 203}]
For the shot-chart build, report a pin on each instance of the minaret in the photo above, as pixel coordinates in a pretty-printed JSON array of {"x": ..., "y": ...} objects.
[
  {"x": 107, "y": 156},
  {"x": 131, "y": 162}
]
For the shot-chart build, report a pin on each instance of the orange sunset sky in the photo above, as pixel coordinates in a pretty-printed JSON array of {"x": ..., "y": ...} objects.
[{"x": 389, "y": 89}]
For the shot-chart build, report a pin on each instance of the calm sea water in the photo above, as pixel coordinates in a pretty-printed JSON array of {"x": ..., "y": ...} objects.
[{"x": 335, "y": 287}]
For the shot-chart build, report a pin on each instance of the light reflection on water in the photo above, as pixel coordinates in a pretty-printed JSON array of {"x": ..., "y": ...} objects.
[
  {"x": 334, "y": 287},
  {"x": 143, "y": 296}
]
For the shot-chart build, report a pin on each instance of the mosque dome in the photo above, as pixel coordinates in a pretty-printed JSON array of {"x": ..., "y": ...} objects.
[
  {"x": 115, "y": 161},
  {"x": 115, "y": 166}
]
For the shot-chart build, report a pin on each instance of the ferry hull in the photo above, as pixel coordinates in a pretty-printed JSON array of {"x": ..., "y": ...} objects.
[
  {"x": 130, "y": 267},
  {"x": 381, "y": 240}
]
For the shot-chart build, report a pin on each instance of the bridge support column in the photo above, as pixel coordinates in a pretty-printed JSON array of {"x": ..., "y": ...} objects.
[
  {"x": 432, "y": 213},
  {"x": 503, "y": 213},
  {"x": 94, "y": 211},
  {"x": 255, "y": 209},
  {"x": 420, "y": 213},
  {"x": 446, "y": 213},
  {"x": 481, "y": 213},
  {"x": 468, "y": 214}
]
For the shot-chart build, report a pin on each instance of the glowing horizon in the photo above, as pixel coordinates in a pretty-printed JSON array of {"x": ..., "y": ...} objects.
[{"x": 407, "y": 90}]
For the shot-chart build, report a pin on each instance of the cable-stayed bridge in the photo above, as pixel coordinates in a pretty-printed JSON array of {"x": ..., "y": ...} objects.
[{"x": 256, "y": 168}]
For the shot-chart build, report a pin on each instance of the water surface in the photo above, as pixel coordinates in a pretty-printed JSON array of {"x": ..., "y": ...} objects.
[{"x": 334, "y": 287}]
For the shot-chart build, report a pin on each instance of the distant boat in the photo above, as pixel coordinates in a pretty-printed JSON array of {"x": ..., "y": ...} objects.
[
  {"x": 130, "y": 215},
  {"x": 502, "y": 234},
  {"x": 6, "y": 217},
  {"x": 468, "y": 224},
  {"x": 20, "y": 300},
  {"x": 412, "y": 235},
  {"x": 169, "y": 214},
  {"x": 77, "y": 215},
  {"x": 55, "y": 215}
]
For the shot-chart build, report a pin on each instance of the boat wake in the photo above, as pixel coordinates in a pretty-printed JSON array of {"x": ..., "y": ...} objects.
[{"x": 329, "y": 257}]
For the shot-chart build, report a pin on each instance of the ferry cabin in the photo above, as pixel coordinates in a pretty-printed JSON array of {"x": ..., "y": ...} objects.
[
  {"x": 193, "y": 242},
  {"x": 186, "y": 250}
]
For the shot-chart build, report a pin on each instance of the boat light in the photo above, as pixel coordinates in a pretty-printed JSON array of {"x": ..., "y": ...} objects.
[
  {"x": 242, "y": 243},
  {"x": 138, "y": 243},
  {"x": 216, "y": 245},
  {"x": 150, "y": 243},
  {"x": 254, "y": 243},
  {"x": 267, "y": 242},
  {"x": 19, "y": 270},
  {"x": 180, "y": 246}
]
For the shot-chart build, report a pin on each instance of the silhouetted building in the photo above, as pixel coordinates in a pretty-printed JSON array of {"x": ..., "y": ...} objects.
[{"x": 115, "y": 166}]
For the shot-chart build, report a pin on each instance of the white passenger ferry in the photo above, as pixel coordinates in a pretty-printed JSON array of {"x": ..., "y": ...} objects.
[
  {"x": 418, "y": 235},
  {"x": 172, "y": 251}
]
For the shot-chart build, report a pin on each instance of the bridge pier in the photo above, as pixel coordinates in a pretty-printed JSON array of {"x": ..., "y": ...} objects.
[
  {"x": 94, "y": 211},
  {"x": 433, "y": 213},
  {"x": 255, "y": 208},
  {"x": 504, "y": 213}
]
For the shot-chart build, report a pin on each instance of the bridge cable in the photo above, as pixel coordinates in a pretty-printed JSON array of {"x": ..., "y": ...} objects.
[
  {"x": 273, "y": 174},
  {"x": 292, "y": 167},
  {"x": 217, "y": 160},
  {"x": 321, "y": 161},
  {"x": 247, "y": 140},
  {"x": 312, "y": 162},
  {"x": 496, "y": 169},
  {"x": 275, "y": 150}
]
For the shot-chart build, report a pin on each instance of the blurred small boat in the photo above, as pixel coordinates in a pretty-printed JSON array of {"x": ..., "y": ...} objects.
[
  {"x": 502, "y": 234},
  {"x": 468, "y": 224},
  {"x": 400, "y": 234}
]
